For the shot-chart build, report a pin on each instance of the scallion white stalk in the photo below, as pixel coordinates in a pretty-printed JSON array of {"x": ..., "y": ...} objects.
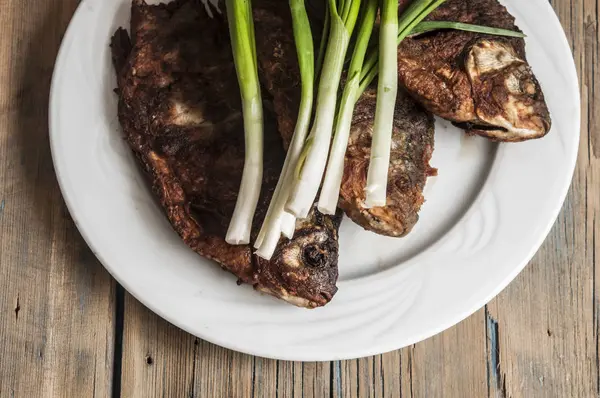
[
  {"x": 309, "y": 179},
  {"x": 244, "y": 54},
  {"x": 330, "y": 190},
  {"x": 288, "y": 225},
  {"x": 277, "y": 219},
  {"x": 377, "y": 176}
]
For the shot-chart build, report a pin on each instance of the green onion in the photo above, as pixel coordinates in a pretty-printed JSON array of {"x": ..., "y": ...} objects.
[
  {"x": 330, "y": 190},
  {"x": 323, "y": 43},
  {"x": 307, "y": 184},
  {"x": 425, "y": 27},
  {"x": 307, "y": 156},
  {"x": 241, "y": 28},
  {"x": 276, "y": 219},
  {"x": 376, "y": 189}
]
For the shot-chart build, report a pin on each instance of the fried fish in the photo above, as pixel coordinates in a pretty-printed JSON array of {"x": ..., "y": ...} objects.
[{"x": 180, "y": 111}]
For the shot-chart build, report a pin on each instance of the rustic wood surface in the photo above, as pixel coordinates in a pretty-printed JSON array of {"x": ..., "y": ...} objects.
[{"x": 68, "y": 330}]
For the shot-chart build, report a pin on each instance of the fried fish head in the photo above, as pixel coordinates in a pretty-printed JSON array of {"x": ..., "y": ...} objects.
[
  {"x": 303, "y": 271},
  {"x": 508, "y": 99},
  {"x": 482, "y": 83}
]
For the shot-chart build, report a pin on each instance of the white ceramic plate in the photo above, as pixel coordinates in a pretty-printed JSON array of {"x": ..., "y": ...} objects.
[{"x": 486, "y": 214}]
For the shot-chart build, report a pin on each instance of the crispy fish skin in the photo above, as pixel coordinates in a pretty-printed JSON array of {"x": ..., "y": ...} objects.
[
  {"x": 413, "y": 137},
  {"x": 412, "y": 148},
  {"x": 180, "y": 110},
  {"x": 482, "y": 83}
]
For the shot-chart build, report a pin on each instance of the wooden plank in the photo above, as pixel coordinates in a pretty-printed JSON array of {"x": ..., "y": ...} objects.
[
  {"x": 158, "y": 358},
  {"x": 389, "y": 367},
  {"x": 56, "y": 300},
  {"x": 544, "y": 327},
  {"x": 266, "y": 378},
  {"x": 289, "y": 379},
  {"x": 356, "y": 377},
  {"x": 346, "y": 379},
  {"x": 451, "y": 364},
  {"x": 542, "y": 341},
  {"x": 316, "y": 379},
  {"x": 161, "y": 360},
  {"x": 376, "y": 376}
]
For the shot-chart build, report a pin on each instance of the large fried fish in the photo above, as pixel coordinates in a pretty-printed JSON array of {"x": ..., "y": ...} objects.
[
  {"x": 482, "y": 83},
  {"x": 180, "y": 110},
  {"x": 413, "y": 136}
]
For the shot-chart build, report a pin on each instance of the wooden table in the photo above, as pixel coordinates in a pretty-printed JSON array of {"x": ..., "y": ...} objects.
[{"x": 67, "y": 329}]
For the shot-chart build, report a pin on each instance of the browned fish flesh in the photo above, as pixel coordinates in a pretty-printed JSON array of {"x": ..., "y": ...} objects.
[
  {"x": 180, "y": 110},
  {"x": 412, "y": 147},
  {"x": 413, "y": 136},
  {"x": 480, "y": 82}
]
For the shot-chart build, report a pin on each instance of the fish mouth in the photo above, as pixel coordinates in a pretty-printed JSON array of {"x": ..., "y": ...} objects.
[
  {"x": 303, "y": 271},
  {"x": 509, "y": 103}
]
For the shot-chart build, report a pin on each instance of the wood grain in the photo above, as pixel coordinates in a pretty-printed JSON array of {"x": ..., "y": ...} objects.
[
  {"x": 59, "y": 309},
  {"x": 449, "y": 364},
  {"x": 56, "y": 301},
  {"x": 158, "y": 358}
]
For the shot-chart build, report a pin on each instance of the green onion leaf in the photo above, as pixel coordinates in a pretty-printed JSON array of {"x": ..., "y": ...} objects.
[
  {"x": 323, "y": 43},
  {"x": 425, "y": 27}
]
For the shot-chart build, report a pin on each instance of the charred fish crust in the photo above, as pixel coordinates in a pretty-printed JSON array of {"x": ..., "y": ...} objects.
[
  {"x": 180, "y": 111},
  {"x": 120, "y": 45},
  {"x": 474, "y": 79},
  {"x": 507, "y": 94},
  {"x": 319, "y": 256}
]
